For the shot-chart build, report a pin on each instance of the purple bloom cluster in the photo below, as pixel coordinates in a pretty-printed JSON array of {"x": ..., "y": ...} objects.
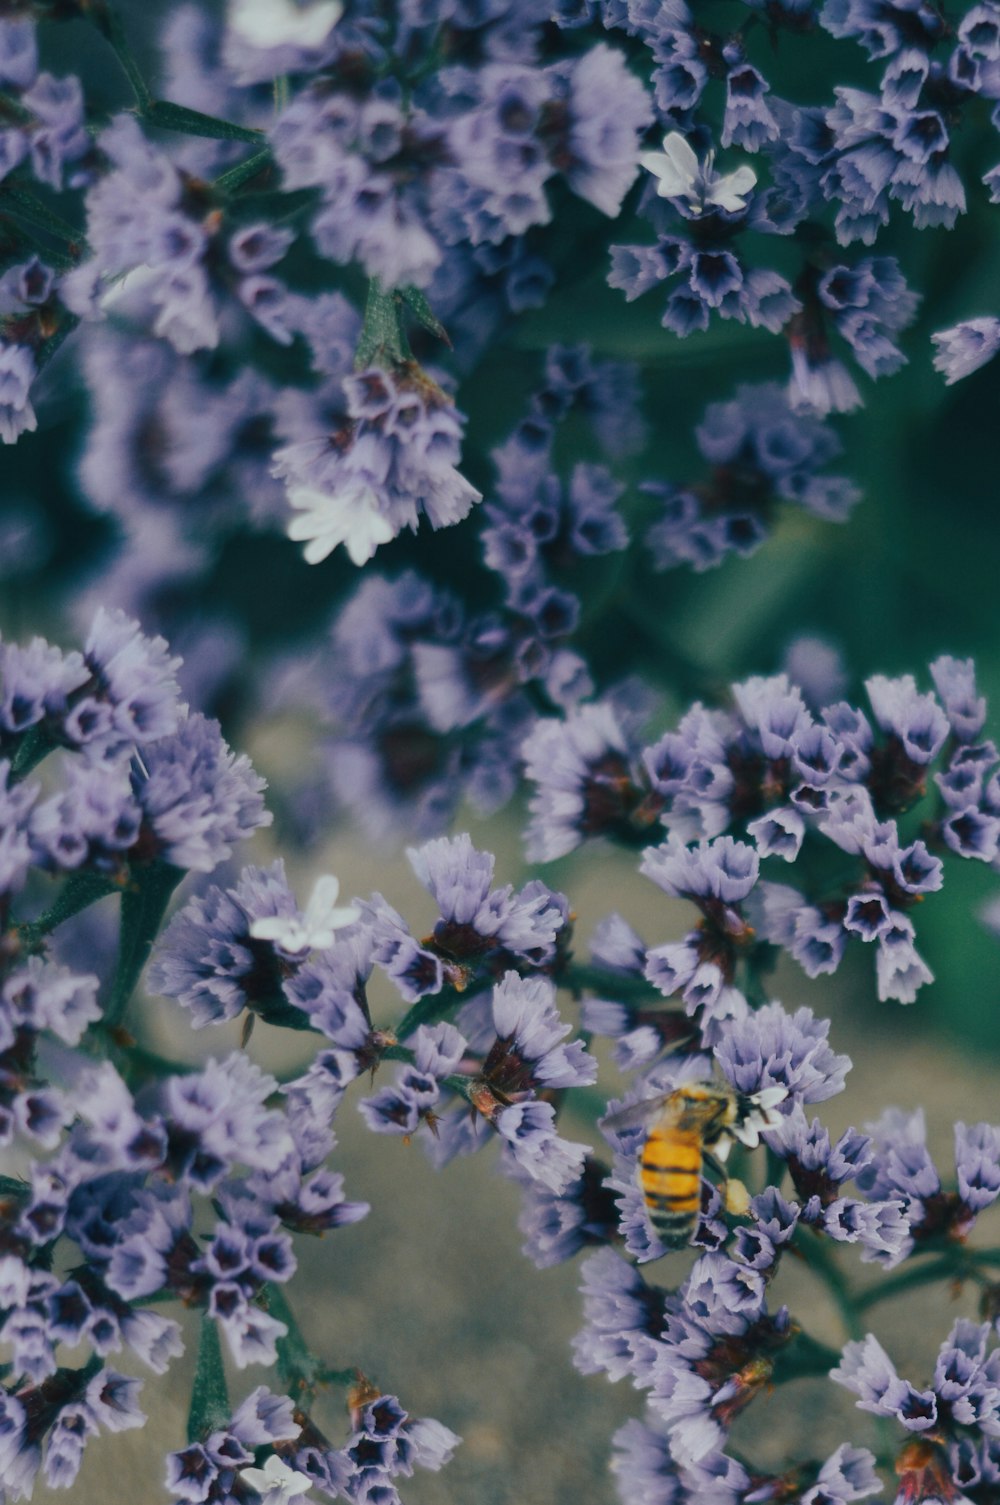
[
  {"x": 398, "y": 184},
  {"x": 784, "y": 776},
  {"x": 762, "y": 453},
  {"x": 43, "y": 124},
  {"x": 151, "y": 223},
  {"x": 392, "y": 462}
]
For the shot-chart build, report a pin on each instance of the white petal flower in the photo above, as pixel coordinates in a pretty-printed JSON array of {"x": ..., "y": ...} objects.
[
  {"x": 314, "y": 932},
  {"x": 762, "y": 1116},
  {"x": 681, "y": 176},
  {"x": 676, "y": 167},
  {"x": 276, "y": 1483},
  {"x": 282, "y": 23},
  {"x": 351, "y": 517}
]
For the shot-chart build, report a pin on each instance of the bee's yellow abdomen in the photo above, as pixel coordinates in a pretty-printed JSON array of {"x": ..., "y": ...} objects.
[
  {"x": 670, "y": 1174},
  {"x": 673, "y": 1150}
]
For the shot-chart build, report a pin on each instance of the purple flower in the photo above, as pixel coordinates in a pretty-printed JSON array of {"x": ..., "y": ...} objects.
[
  {"x": 771, "y": 1048},
  {"x": 197, "y": 797},
  {"x": 965, "y": 347},
  {"x": 762, "y": 452},
  {"x": 393, "y": 460},
  {"x": 582, "y": 769}
]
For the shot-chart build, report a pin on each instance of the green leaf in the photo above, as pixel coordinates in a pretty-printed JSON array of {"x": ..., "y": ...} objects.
[
  {"x": 383, "y": 341},
  {"x": 109, "y": 24},
  {"x": 10, "y": 1187},
  {"x": 242, "y": 173},
  {"x": 25, "y": 205},
  {"x": 173, "y": 117},
  {"x": 417, "y": 303},
  {"x": 78, "y": 892},
  {"x": 209, "y": 1394},
  {"x": 298, "y": 1367},
  {"x": 144, "y": 904},
  {"x": 36, "y": 744}
]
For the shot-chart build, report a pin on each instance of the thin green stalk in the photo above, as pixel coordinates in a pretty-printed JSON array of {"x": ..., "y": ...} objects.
[
  {"x": 824, "y": 1265},
  {"x": 25, "y": 205},
  {"x": 78, "y": 892},
  {"x": 907, "y": 1281},
  {"x": 209, "y": 1395},
  {"x": 236, "y": 176},
  {"x": 576, "y": 976}
]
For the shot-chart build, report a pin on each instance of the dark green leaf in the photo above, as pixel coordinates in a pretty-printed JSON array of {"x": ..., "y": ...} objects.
[
  {"x": 144, "y": 904},
  {"x": 209, "y": 1394},
  {"x": 173, "y": 117},
  {"x": 242, "y": 173},
  {"x": 417, "y": 303},
  {"x": 383, "y": 341}
]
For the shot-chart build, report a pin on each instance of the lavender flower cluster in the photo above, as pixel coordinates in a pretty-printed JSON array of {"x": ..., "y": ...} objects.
[
  {"x": 433, "y": 151},
  {"x": 149, "y": 1182},
  {"x": 277, "y": 316}
]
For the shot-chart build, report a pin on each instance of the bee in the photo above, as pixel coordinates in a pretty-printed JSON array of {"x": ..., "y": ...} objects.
[{"x": 694, "y": 1124}]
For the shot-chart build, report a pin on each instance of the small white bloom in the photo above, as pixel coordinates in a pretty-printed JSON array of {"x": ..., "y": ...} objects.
[
  {"x": 282, "y": 23},
  {"x": 276, "y": 1483},
  {"x": 352, "y": 518},
  {"x": 763, "y": 1115},
  {"x": 314, "y": 932},
  {"x": 681, "y": 176}
]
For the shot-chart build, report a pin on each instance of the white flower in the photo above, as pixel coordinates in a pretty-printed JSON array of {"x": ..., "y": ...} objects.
[
  {"x": 682, "y": 177},
  {"x": 351, "y": 517},
  {"x": 276, "y": 1483},
  {"x": 761, "y": 1116},
  {"x": 314, "y": 932},
  {"x": 282, "y": 23}
]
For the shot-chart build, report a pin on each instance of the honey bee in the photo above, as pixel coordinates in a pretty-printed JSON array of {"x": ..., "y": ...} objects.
[{"x": 686, "y": 1128}]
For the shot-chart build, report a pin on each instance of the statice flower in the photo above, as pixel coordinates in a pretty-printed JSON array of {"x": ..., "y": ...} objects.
[
  {"x": 413, "y": 670},
  {"x": 964, "y": 1394},
  {"x": 44, "y": 126},
  {"x": 32, "y": 322},
  {"x": 146, "y": 217},
  {"x": 538, "y": 525},
  {"x": 965, "y": 347},
  {"x": 712, "y": 210},
  {"x": 393, "y": 461},
  {"x": 585, "y": 783},
  {"x": 210, "y": 1469},
  {"x": 197, "y": 797},
  {"x": 900, "y": 1166},
  {"x": 762, "y": 453},
  {"x": 482, "y": 929},
  {"x": 519, "y": 126},
  {"x": 868, "y": 305}
]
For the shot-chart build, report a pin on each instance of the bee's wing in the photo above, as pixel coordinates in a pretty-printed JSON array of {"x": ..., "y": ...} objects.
[{"x": 640, "y": 1115}]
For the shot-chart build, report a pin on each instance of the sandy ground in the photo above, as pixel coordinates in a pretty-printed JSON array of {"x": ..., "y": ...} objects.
[{"x": 432, "y": 1297}]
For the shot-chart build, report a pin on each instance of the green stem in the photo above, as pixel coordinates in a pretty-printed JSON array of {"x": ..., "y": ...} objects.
[
  {"x": 144, "y": 903},
  {"x": 172, "y": 117},
  {"x": 618, "y": 985},
  {"x": 298, "y": 1367},
  {"x": 430, "y": 1008},
  {"x": 209, "y": 1396},
  {"x": 36, "y": 744},
  {"x": 824, "y": 1264},
  {"x": 804, "y": 1356},
  {"x": 24, "y": 204},
  {"x": 908, "y": 1280},
  {"x": 78, "y": 892},
  {"x": 242, "y": 173},
  {"x": 383, "y": 340}
]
